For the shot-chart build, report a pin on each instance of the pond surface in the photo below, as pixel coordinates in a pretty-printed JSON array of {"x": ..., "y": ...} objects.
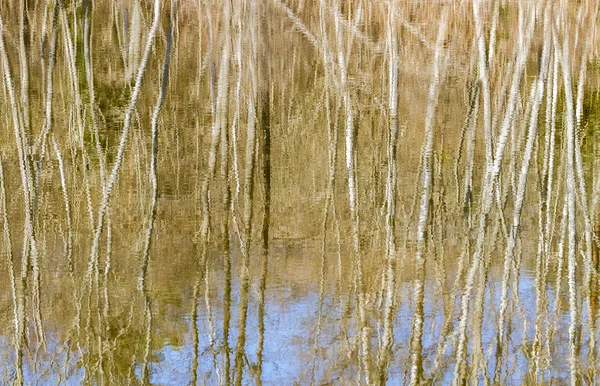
[{"x": 296, "y": 192}]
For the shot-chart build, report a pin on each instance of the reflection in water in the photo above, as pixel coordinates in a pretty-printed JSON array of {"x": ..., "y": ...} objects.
[{"x": 299, "y": 192}]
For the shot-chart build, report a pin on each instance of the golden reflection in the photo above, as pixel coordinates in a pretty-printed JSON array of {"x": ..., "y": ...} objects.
[{"x": 330, "y": 192}]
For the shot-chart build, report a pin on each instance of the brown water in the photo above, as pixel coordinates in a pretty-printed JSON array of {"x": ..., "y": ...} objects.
[{"x": 322, "y": 193}]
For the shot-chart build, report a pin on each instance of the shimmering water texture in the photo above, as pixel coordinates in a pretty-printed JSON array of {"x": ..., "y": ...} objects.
[{"x": 299, "y": 192}]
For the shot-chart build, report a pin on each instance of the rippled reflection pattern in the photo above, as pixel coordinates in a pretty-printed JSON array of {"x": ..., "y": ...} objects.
[{"x": 299, "y": 192}]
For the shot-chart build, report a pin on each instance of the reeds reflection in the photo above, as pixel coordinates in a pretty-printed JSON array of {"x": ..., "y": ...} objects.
[{"x": 331, "y": 192}]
